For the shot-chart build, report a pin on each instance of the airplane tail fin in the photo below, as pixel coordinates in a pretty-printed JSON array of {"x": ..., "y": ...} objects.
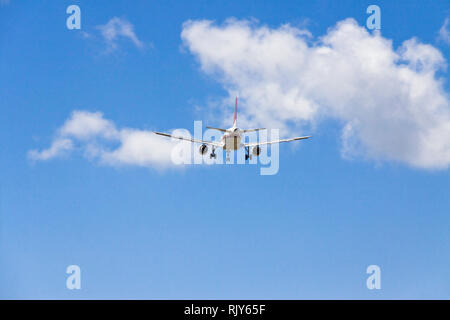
[{"x": 235, "y": 113}]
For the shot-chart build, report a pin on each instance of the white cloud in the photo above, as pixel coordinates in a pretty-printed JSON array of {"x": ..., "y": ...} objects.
[
  {"x": 116, "y": 28},
  {"x": 100, "y": 141},
  {"x": 84, "y": 125},
  {"x": 142, "y": 148},
  {"x": 59, "y": 147},
  {"x": 390, "y": 102},
  {"x": 444, "y": 31}
]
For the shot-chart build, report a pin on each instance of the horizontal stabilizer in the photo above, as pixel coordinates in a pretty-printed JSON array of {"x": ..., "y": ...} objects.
[
  {"x": 223, "y": 130},
  {"x": 253, "y": 130}
]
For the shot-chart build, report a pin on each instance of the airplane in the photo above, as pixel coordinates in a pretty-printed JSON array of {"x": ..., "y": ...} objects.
[{"x": 231, "y": 140}]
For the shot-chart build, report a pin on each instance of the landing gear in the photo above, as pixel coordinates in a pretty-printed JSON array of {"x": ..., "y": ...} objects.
[
  {"x": 213, "y": 154},
  {"x": 247, "y": 153}
]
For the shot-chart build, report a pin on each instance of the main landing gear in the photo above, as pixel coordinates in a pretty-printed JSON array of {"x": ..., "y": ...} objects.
[
  {"x": 213, "y": 154},
  {"x": 247, "y": 153}
]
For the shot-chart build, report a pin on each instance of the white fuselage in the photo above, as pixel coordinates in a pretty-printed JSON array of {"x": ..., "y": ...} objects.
[{"x": 232, "y": 139}]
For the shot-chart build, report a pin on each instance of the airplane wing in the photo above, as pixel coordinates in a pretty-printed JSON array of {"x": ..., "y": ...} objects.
[
  {"x": 254, "y": 144},
  {"x": 212, "y": 143}
]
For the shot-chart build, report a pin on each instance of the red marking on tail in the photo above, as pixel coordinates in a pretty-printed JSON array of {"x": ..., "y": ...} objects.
[{"x": 235, "y": 112}]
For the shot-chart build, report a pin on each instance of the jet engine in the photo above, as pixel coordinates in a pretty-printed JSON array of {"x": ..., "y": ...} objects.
[
  {"x": 256, "y": 151},
  {"x": 203, "y": 149}
]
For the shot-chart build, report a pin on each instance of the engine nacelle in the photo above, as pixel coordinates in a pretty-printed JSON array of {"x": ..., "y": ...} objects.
[
  {"x": 203, "y": 149},
  {"x": 256, "y": 151}
]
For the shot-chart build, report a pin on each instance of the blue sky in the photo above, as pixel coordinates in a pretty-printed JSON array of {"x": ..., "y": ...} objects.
[{"x": 220, "y": 231}]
